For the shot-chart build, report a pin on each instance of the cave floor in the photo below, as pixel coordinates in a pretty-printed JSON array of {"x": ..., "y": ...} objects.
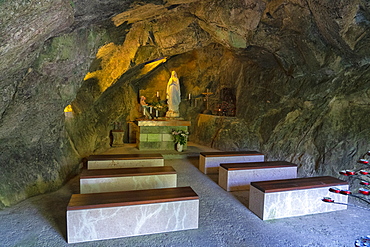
[{"x": 224, "y": 218}]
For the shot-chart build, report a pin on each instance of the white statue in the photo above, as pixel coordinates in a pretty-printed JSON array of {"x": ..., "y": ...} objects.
[{"x": 173, "y": 96}]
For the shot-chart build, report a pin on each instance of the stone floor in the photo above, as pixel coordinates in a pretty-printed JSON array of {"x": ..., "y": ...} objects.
[{"x": 224, "y": 218}]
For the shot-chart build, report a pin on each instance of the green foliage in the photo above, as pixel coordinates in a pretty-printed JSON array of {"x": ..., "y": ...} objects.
[
  {"x": 180, "y": 136},
  {"x": 72, "y": 4}
]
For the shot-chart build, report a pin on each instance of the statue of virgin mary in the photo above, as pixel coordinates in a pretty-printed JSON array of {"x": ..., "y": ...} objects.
[{"x": 173, "y": 96}]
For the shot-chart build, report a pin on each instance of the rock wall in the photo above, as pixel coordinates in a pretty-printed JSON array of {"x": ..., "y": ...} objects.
[{"x": 300, "y": 70}]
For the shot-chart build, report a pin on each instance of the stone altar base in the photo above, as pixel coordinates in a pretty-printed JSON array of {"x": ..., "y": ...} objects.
[
  {"x": 209, "y": 162},
  {"x": 109, "y": 180},
  {"x": 157, "y": 134},
  {"x": 295, "y": 197},
  {"x": 238, "y": 176},
  {"x": 111, "y": 161},
  {"x": 131, "y": 213}
]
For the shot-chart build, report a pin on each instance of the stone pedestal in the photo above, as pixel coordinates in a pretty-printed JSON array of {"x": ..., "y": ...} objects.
[
  {"x": 117, "y": 136},
  {"x": 156, "y": 134}
]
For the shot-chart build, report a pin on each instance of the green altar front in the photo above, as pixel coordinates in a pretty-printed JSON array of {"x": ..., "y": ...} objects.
[{"x": 156, "y": 134}]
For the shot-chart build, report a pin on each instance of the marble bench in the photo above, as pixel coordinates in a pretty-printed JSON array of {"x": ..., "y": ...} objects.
[
  {"x": 238, "y": 176},
  {"x": 137, "y": 178},
  {"x": 295, "y": 197},
  {"x": 111, "y": 215},
  {"x": 110, "y": 161},
  {"x": 209, "y": 162}
]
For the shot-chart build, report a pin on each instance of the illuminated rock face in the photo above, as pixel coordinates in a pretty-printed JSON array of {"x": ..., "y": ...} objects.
[{"x": 299, "y": 69}]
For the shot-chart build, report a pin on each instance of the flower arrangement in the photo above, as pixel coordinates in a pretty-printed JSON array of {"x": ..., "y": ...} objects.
[{"x": 180, "y": 136}]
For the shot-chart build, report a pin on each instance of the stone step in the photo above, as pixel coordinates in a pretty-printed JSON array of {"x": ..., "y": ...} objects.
[
  {"x": 238, "y": 176},
  {"x": 209, "y": 162},
  {"x": 110, "y": 215},
  {"x": 121, "y": 179},
  {"x": 295, "y": 197},
  {"x": 111, "y": 161}
]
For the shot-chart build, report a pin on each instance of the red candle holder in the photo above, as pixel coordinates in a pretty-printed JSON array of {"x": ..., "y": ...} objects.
[
  {"x": 363, "y": 172},
  {"x": 363, "y": 161},
  {"x": 364, "y": 191},
  {"x": 334, "y": 190},
  {"x": 343, "y": 173},
  {"x": 327, "y": 199},
  {"x": 350, "y": 172},
  {"x": 345, "y": 192}
]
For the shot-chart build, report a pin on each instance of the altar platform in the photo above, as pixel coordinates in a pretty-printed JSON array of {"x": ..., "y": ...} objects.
[{"x": 156, "y": 134}]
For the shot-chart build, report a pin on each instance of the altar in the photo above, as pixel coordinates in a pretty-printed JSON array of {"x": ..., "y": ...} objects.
[{"x": 157, "y": 134}]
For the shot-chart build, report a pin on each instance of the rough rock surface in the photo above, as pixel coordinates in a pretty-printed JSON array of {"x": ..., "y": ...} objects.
[{"x": 300, "y": 70}]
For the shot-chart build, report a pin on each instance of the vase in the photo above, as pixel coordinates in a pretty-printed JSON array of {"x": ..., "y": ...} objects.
[{"x": 179, "y": 147}]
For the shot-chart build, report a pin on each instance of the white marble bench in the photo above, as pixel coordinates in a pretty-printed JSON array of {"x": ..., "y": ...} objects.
[
  {"x": 295, "y": 197},
  {"x": 209, "y": 162},
  {"x": 238, "y": 176},
  {"x": 131, "y": 213},
  {"x": 111, "y": 161},
  {"x": 137, "y": 178}
]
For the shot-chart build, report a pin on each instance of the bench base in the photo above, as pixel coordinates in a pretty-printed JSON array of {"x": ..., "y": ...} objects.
[
  {"x": 234, "y": 180},
  {"x": 209, "y": 164},
  {"x": 109, "y": 184},
  {"x": 285, "y": 204},
  {"x": 117, "y": 222},
  {"x": 113, "y": 164}
]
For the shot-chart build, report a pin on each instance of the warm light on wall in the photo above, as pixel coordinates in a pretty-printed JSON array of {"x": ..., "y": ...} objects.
[
  {"x": 68, "y": 108},
  {"x": 151, "y": 65}
]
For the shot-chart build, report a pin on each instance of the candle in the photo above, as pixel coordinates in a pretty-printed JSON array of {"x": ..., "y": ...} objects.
[
  {"x": 189, "y": 96},
  {"x": 345, "y": 192},
  {"x": 343, "y": 173},
  {"x": 363, "y": 161},
  {"x": 334, "y": 190},
  {"x": 364, "y": 172},
  {"x": 156, "y": 113},
  {"x": 327, "y": 199},
  {"x": 144, "y": 111},
  {"x": 150, "y": 110},
  {"x": 157, "y": 94},
  {"x": 350, "y": 172},
  {"x": 364, "y": 191}
]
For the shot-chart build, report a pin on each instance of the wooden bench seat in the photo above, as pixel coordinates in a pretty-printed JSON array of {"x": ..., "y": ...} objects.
[
  {"x": 209, "y": 162},
  {"x": 137, "y": 178},
  {"x": 111, "y": 161},
  {"x": 100, "y": 216},
  {"x": 238, "y": 176},
  {"x": 295, "y": 197}
]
